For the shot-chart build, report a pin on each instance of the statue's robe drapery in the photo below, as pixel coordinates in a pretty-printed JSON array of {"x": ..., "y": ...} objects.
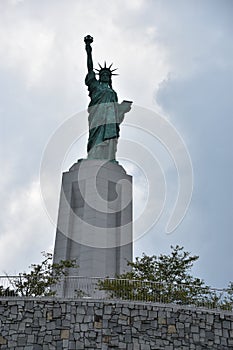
[{"x": 104, "y": 112}]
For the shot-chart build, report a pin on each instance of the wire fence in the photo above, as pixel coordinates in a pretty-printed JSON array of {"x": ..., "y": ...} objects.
[{"x": 118, "y": 289}]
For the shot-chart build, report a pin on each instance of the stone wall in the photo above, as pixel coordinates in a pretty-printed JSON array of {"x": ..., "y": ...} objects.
[{"x": 49, "y": 324}]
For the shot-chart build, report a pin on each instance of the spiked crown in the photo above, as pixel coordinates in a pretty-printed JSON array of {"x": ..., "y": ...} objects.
[{"x": 106, "y": 69}]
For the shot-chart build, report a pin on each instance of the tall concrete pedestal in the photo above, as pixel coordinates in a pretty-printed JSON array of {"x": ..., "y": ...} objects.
[{"x": 95, "y": 220}]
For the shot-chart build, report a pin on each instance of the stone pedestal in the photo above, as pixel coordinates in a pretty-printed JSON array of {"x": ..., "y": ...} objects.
[{"x": 95, "y": 219}]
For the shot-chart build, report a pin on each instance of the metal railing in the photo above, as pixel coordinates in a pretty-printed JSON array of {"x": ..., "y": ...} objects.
[{"x": 119, "y": 289}]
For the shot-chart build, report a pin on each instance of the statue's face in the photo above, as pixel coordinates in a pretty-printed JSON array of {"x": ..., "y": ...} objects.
[{"x": 105, "y": 77}]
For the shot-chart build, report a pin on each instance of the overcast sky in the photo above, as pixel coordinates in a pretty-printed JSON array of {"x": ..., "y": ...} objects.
[{"x": 174, "y": 58}]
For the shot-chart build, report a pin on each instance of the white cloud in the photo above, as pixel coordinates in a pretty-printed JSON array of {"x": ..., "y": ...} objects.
[
  {"x": 25, "y": 46},
  {"x": 47, "y": 48},
  {"x": 26, "y": 230}
]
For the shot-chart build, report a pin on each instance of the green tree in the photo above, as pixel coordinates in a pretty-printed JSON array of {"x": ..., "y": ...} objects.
[
  {"x": 228, "y": 301},
  {"x": 165, "y": 278},
  {"x": 7, "y": 292},
  {"x": 222, "y": 299},
  {"x": 42, "y": 278}
]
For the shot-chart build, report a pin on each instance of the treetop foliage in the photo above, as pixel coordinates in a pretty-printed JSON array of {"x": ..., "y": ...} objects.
[{"x": 41, "y": 279}]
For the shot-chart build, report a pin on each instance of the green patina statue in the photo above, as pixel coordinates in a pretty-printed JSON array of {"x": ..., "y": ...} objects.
[{"x": 105, "y": 113}]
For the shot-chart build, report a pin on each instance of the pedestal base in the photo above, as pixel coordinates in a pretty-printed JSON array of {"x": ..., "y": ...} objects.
[{"x": 95, "y": 219}]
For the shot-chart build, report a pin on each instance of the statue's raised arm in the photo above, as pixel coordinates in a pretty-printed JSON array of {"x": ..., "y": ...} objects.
[{"x": 88, "y": 40}]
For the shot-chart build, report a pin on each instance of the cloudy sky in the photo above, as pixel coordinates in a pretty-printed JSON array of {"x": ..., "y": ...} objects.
[{"x": 174, "y": 58}]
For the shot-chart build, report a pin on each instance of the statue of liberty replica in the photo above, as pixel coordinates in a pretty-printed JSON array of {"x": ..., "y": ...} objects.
[
  {"x": 94, "y": 224},
  {"x": 105, "y": 113}
]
